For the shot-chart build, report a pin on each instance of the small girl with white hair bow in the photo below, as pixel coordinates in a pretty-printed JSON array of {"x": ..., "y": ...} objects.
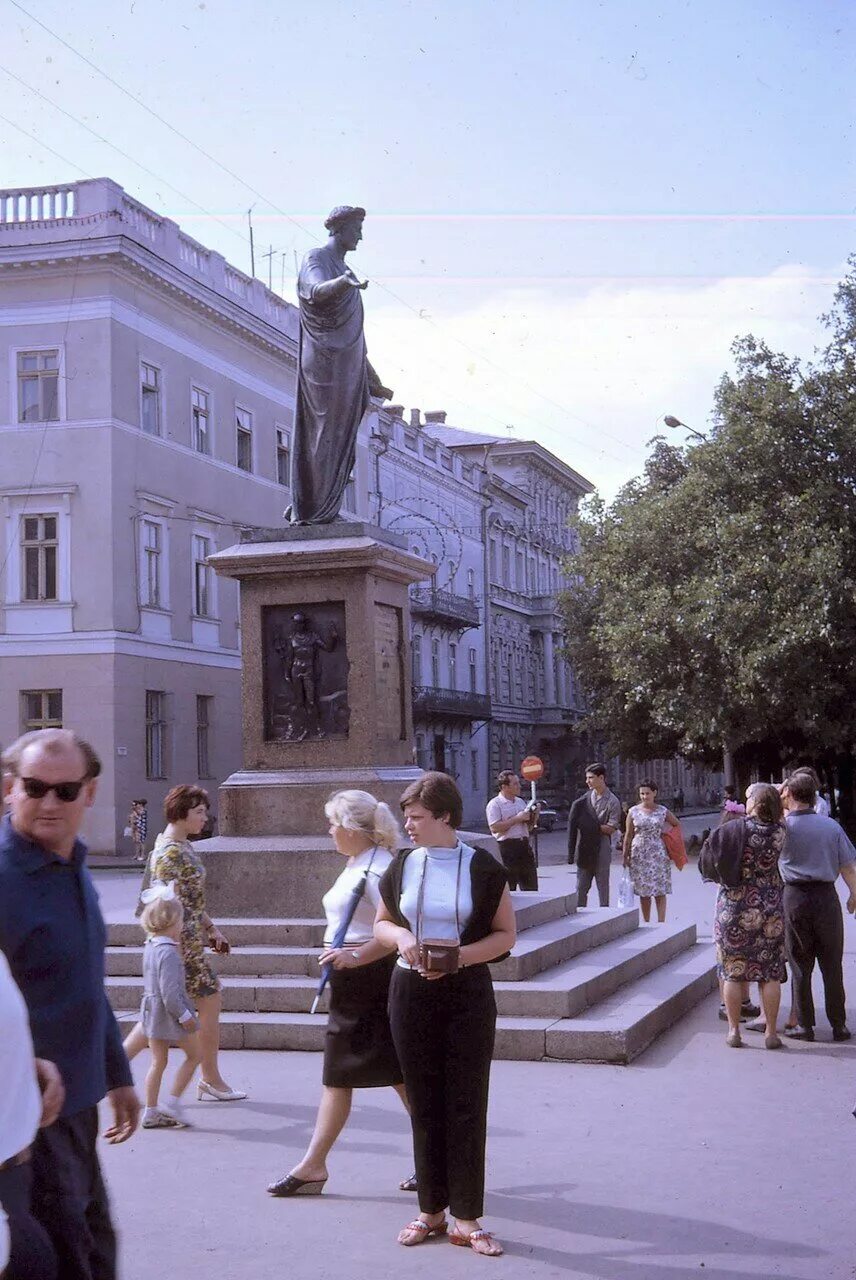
[{"x": 166, "y": 1014}]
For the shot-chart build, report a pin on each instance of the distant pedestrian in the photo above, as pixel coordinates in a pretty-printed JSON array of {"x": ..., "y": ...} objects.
[
  {"x": 138, "y": 824},
  {"x": 749, "y": 926},
  {"x": 816, "y": 852},
  {"x": 53, "y": 936},
  {"x": 679, "y": 800},
  {"x": 166, "y": 1014},
  {"x": 644, "y": 851},
  {"x": 511, "y": 820}
]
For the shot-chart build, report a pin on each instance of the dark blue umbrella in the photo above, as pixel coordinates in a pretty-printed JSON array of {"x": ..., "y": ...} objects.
[{"x": 339, "y": 939}]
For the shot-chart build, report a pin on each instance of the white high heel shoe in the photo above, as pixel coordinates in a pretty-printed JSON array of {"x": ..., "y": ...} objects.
[{"x": 206, "y": 1092}]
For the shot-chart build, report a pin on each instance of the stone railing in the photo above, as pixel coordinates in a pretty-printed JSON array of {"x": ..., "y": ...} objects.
[
  {"x": 193, "y": 253},
  {"x": 445, "y": 606},
  {"x": 454, "y": 704},
  {"x": 37, "y": 204}
]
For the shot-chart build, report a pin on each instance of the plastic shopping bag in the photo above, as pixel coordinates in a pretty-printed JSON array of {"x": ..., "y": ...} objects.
[{"x": 626, "y": 896}]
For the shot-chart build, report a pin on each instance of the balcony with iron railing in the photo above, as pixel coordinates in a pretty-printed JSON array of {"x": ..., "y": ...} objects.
[
  {"x": 450, "y": 704},
  {"x": 460, "y": 612}
]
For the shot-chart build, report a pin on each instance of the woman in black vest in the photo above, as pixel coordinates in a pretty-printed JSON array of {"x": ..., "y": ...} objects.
[{"x": 446, "y": 908}]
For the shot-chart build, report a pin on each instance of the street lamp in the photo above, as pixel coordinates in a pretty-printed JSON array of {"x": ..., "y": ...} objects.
[{"x": 673, "y": 422}]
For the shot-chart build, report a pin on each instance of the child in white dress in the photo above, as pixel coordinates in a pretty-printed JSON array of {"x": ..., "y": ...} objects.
[{"x": 166, "y": 1014}]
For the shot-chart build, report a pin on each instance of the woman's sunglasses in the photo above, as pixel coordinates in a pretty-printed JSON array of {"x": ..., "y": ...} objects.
[{"x": 65, "y": 791}]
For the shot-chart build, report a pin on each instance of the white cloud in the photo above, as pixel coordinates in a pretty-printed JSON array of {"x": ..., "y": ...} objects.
[{"x": 588, "y": 373}]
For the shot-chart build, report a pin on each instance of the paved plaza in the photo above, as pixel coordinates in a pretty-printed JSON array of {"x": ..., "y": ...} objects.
[{"x": 695, "y": 1160}]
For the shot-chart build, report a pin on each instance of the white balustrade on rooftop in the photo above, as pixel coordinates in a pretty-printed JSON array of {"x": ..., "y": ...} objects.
[
  {"x": 195, "y": 255},
  {"x": 141, "y": 219},
  {"x": 37, "y": 204}
]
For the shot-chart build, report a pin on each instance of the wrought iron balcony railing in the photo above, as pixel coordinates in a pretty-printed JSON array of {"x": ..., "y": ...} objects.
[
  {"x": 457, "y": 704},
  {"x": 445, "y": 606}
]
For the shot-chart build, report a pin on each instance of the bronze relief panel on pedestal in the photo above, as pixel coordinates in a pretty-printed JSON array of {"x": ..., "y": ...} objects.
[{"x": 305, "y": 672}]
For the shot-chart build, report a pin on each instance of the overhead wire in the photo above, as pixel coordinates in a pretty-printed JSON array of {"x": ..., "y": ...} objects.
[{"x": 419, "y": 313}]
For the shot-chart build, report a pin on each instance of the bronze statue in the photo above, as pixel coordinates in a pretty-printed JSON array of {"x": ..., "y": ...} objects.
[
  {"x": 334, "y": 377},
  {"x": 300, "y": 651}
]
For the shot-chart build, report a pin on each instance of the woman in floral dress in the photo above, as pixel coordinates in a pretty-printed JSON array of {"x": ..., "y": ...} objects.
[
  {"x": 644, "y": 851},
  {"x": 749, "y": 924},
  {"x": 174, "y": 858}
]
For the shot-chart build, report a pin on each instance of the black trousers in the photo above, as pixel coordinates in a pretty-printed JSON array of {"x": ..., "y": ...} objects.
[
  {"x": 519, "y": 862},
  {"x": 443, "y": 1032},
  {"x": 31, "y": 1255},
  {"x": 70, "y": 1199},
  {"x": 814, "y": 931}
]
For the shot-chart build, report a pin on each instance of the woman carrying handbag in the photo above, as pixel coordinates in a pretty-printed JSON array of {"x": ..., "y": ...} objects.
[{"x": 447, "y": 910}]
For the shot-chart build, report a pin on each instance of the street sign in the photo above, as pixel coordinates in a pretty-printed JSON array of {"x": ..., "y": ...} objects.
[{"x": 532, "y": 768}]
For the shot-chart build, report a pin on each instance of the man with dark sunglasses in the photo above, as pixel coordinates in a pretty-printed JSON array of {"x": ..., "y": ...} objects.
[{"x": 53, "y": 936}]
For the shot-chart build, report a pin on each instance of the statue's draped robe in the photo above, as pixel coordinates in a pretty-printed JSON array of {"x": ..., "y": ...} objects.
[{"x": 332, "y": 390}]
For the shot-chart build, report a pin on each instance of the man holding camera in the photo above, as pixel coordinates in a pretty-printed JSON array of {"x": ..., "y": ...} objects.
[{"x": 511, "y": 820}]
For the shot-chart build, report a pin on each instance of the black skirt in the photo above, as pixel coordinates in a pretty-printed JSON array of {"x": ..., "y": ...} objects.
[{"x": 358, "y": 1048}]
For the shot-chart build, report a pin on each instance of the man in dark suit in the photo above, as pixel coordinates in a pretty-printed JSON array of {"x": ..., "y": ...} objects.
[{"x": 583, "y": 837}]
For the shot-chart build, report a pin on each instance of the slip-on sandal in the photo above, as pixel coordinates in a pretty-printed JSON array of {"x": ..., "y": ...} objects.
[
  {"x": 291, "y": 1186},
  {"x": 494, "y": 1250},
  {"x": 425, "y": 1229}
]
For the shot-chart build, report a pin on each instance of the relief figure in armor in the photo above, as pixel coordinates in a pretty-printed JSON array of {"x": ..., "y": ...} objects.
[{"x": 300, "y": 652}]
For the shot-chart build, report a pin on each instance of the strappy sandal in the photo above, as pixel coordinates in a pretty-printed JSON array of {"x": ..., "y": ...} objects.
[
  {"x": 409, "y": 1184},
  {"x": 424, "y": 1230},
  {"x": 494, "y": 1248}
]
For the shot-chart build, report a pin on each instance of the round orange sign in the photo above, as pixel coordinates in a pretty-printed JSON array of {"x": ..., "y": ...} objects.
[{"x": 532, "y": 768}]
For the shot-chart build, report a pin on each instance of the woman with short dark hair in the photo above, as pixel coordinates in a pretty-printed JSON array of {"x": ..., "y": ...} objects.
[
  {"x": 174, "y": 858},
  {"x": 644, "y": 851},
  {"x": 447, "y": 910}
]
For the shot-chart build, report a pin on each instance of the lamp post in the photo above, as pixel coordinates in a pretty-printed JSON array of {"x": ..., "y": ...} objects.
[{"x": 673, "y": 422}]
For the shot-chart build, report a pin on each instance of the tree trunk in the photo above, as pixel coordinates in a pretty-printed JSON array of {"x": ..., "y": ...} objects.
[{"x": 728, "y": 764}]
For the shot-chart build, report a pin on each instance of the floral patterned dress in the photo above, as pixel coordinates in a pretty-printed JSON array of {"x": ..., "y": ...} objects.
[
  {"x": 749, "y": 924},
  {"x": 177, "y": 860},
  {"x": 650, "y": 866}
]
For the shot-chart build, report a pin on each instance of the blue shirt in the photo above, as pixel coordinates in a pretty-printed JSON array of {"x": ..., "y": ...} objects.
[
  {"x": 52, "y": 934},
  {"x": 816, "y": 848}
]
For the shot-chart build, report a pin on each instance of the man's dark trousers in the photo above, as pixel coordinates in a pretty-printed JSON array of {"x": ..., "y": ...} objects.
[
  {"x": 519, "y": 862},
  {"x": 31, "y": 1256},
  {"x": 70, "y": 1199},
  {"x": 814, "y": 930}
]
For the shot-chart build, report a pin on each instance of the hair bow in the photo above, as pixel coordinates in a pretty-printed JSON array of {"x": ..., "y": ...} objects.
[{"x": 159, "y": 890}]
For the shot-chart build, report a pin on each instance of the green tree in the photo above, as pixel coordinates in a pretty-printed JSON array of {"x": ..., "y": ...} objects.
[{"x": 715, "y": 599}]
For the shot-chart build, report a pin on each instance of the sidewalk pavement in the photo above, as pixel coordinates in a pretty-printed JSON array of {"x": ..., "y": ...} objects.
[{"x": 694, "y": 1160}]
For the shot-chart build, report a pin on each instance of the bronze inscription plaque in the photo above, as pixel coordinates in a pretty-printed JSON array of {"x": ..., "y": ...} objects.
[
  {"x": 306, "y": 672},
  {"x": 389, "y": 672}
]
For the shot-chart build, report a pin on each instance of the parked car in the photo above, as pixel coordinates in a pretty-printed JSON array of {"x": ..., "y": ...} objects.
[{"x": 548, "y": 820}]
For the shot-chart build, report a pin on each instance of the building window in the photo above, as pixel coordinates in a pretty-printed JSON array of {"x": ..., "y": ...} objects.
[
  {"x": 521, "y": 572},
  {"x": 203, "y": 723},
  {"x": 506, "y": 566},
  {"x": 41, "y": 709},
  {"x": 474, "y": 769},
  {"x": 421, "y": 758},
  {"x": 203, "y": 604},
  {"x": 155, "y": 734},
  {"x": 471, "y": 583},
  {"x": 39, "y": 547},
  {"x": 493, "y": 576},
  {"x": 416, "y": 658},
  {"x": 435, "y": 663},
  {"x": 201, "y": 421},
  {"x": 38, "y": 386},
  {"x": 349, "y": 497},
  {"x": 453, "y": 666},
  {"x": 244, "y": 429},
  {"x": 473, "y": 672},
  {"x": 152, "y": 553},
  {"x": 150, "y": 399},
  {"x": 283, "y": 458}
]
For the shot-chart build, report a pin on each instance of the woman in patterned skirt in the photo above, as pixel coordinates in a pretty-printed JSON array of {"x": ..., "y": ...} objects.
[
  {"x": 644, "y": 851},
  {"x": 749, "y": 924},
  {"x": 174, "y": 858}
]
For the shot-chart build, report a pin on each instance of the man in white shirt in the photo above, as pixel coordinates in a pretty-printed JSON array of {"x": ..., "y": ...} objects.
[
  {"x": 31, "y": 1096},
  {"x": 510, "y": 820}
]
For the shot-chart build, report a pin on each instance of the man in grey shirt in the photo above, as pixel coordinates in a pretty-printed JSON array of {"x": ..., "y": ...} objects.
[
  {"x": 607, "y": 809},
  {"x": 816, "y": 852}
]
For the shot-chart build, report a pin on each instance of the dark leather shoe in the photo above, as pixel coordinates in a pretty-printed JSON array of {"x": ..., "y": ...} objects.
[
  {"x": 841, "y": 1033},
  {"x": 799, "y": 1033}
]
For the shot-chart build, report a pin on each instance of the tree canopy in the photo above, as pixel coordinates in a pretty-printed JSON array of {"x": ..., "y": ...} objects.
[{"x": 715, "y": 598}]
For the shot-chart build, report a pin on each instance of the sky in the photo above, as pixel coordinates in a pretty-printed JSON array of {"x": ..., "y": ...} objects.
[{"x": 574, "y": 206}]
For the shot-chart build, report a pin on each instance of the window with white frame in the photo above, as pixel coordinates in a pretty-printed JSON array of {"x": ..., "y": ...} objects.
[
  {"x": 204, "y": 705},
  {"x": 453, "y": 666},
  {"x": 203, "y": 589},
  {"x": 283, "y": 457},
  {"x": 38, "y": 386},
  {"x": 435, "y": 663},
  {"x": 473, "y": 672},
  {"x": 244, "y": 439},
  {"x": 471, "y": 583},
  {"x": 349, "y": 497},
  {"x": 41, "y": 709},
  {"x": 152, "y": 538},
  {"x": 416, "y": 658},
  {"x": 39, "y": 550},
  {"x": 150, "y": 399},
  {"x": 200, "y": 409},
  {"x": 155, "y": 733}
]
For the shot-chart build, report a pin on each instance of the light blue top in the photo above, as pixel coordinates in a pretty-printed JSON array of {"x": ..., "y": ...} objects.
[{"x": 441, "y": 879}]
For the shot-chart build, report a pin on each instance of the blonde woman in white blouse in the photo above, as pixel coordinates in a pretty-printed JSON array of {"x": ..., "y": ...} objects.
[{"x": 358, "y": 1051}]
